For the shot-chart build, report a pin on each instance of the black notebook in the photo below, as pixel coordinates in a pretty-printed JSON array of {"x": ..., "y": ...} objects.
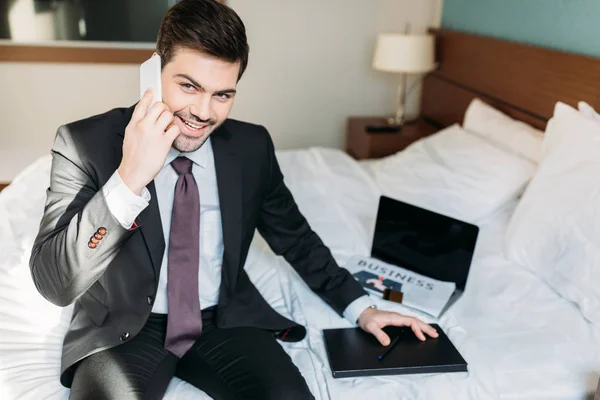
[{"x": 354, "y": 352}]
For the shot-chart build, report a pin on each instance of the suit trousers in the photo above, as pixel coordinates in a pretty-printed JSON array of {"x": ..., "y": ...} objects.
[{"x": 237, "y": 363}]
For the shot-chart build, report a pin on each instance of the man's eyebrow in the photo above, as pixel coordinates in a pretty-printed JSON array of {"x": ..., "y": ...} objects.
[
  {"x": 189, "y": 78},
  {"x": 226, "y": 91}
]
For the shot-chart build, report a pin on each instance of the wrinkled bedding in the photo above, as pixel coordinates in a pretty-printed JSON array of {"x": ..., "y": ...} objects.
[{"x": 521, "y": 340}]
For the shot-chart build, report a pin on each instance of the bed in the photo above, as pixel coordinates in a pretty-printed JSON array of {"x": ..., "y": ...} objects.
[{"x": 522, "y": 340}]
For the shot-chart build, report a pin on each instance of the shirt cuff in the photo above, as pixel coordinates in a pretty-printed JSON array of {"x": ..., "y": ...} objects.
[
  {"x": 354, "y": 309},
  {"x": 123, "y": 204}
]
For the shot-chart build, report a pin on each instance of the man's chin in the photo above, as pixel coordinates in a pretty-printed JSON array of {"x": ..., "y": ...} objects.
[{"x": 186, "y": 144}]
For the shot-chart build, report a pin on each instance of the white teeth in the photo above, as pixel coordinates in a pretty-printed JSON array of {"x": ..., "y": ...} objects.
[{"x": 191, "y": 125}]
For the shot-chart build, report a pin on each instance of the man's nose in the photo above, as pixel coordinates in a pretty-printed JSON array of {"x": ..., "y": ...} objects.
[{"x": 201, "y": 108}]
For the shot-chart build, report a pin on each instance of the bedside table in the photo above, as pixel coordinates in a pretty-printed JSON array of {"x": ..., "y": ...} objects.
[{"x": 360, "y": 144}]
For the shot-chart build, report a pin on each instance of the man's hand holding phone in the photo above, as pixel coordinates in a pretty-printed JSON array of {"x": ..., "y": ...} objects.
[{"x": 148, "y": 138}]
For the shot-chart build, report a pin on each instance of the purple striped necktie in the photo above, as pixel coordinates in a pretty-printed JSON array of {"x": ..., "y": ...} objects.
[{"x": 184, "y": 322}]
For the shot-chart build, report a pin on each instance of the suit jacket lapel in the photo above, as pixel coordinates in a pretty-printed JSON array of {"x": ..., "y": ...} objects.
[
  {"x": 229, "y": 183},
  {"x": 152, "y": 231}
]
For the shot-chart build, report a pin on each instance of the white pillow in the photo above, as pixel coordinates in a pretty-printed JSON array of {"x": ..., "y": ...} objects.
[
  {"x": 506, "y": 133},
  {"x": 454, "y": 173},
  {"x": 555, "y": 230},
  {"x": 588, "y": 111}
]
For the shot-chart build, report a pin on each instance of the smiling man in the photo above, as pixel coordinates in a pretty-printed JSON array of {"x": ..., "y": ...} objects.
[{"x": 148, "y": 222}]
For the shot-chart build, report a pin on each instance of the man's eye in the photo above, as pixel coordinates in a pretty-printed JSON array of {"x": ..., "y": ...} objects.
[
  {"x": 187, "y": 86},
  {"x": 223, "y": 96}
]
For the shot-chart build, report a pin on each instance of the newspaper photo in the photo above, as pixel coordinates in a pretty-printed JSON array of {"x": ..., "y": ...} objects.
[{"x": 419, "y": 292}]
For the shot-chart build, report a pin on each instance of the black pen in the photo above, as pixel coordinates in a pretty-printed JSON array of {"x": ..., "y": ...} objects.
[{"x": 387, "y": 349}]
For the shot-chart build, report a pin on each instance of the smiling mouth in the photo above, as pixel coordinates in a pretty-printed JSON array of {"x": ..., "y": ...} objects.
[{"x": 191, "y": 125}]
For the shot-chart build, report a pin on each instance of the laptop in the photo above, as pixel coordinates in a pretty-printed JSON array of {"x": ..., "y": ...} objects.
[{"x": 423, "y": 241}]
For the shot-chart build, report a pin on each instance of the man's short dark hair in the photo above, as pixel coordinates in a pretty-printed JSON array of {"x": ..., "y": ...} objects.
[{"x": 206, "y": 26}]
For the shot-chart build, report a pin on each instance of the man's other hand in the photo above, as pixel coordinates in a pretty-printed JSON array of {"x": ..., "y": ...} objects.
[{"x": 372, "y": 320}]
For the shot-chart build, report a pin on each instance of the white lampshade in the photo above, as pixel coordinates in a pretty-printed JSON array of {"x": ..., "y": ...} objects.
[{"x": 404, "y": 53}]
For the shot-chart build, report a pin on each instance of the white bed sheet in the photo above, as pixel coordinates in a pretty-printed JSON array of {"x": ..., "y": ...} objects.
[{"x": 521, "y": 340}]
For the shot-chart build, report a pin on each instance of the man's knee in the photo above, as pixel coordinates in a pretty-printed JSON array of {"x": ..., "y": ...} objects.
[
  {"x": 105, "y": 375},
  {"x": 97, "y": 379}
]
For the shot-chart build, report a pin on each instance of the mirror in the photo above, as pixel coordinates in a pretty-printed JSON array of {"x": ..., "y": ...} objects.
[{"x": 114, "y": 31}]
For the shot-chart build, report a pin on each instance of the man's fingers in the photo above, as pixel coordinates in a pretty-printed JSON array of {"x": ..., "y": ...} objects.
[
  {"x": 417, "y": 330},
  {"x": 418, "y": 327},
  {"x": 156, "y": 110},
  {"x": 164, "y": 120},
  {"x": 383, "y": 338},
  {"x": 381, "y": 319},
  {"x": 172, "y": 133},
  {"x": 141, "y": 108},
  {"x": 428, "y": 329}
]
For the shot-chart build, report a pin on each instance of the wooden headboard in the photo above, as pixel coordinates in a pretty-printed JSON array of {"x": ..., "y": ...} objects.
[{"x": 523, "y": 81}]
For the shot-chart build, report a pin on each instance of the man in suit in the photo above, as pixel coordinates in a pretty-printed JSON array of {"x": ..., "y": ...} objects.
[{"x": 148, "y": 221}]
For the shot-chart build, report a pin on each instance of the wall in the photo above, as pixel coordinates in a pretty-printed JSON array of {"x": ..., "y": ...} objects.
[
  {"x": 310, "y": 68},
  {"x": 35, "y": 99},
  {"x": 569, "y": 25},
  {"x": 310, "y": 64}
]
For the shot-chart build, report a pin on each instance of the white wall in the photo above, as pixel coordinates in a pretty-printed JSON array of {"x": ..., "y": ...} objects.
[
  {"x": 310, "y": 68},
  {"x": 310, "y": 64},
  {"x": 35, "y": 99}
]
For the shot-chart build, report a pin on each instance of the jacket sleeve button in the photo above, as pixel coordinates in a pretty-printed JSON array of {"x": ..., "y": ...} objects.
[
  {"x": 124, "y": 336},
  {"x": 102, "y": 231},
  {"x": 92, "y": 245}
]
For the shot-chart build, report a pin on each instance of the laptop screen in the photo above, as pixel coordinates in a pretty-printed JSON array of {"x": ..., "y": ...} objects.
[{"x": 423, "y": 241}]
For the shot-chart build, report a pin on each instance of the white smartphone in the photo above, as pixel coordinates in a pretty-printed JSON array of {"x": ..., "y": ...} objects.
[{"x": 150, "y": 78}]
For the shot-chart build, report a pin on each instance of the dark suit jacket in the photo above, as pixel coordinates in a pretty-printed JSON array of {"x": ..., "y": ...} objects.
[{"x": 113, "y": 285}]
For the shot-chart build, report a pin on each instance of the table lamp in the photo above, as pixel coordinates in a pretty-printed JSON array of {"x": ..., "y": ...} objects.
[{"x": 404, "y": 54}]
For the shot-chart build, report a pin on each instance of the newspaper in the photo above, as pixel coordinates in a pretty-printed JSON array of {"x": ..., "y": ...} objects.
[{"x": 419, "y": 292}]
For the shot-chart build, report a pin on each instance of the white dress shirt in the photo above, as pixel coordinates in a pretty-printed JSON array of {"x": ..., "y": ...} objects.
[{"x": 126, "y": 206}]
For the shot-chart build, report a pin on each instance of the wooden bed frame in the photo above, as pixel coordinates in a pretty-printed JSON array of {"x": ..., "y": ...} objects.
[{"x": 522, "y": 81}]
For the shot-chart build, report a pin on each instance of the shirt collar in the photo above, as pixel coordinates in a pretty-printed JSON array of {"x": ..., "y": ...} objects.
[{"x": 199, "y": 157}]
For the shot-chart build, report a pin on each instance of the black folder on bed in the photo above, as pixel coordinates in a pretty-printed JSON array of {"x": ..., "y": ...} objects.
[{"x": 353, "y": 352}]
